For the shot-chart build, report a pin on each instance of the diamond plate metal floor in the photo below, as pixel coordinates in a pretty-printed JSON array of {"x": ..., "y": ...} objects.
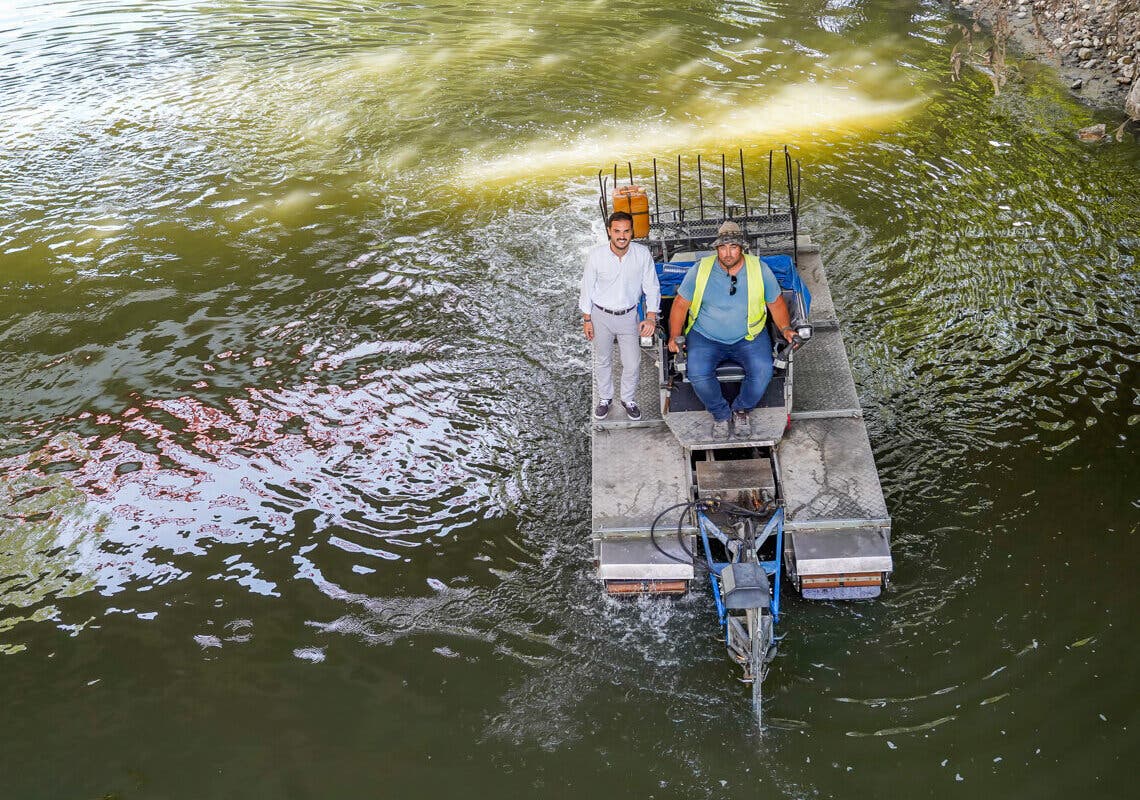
[
  {"x": 648, "y": 395},
  {"x": 810, "y": 267},
  {"x": 822, "y": 375},
  {"x": 638, "y": 473},
  {"x": 829, "y": 475},
  {"x": 693, "y": 429}
]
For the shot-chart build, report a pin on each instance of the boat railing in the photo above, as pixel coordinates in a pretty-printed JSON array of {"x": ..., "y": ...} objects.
[
  {"x": 680, "y": 228},
  {"x": 671, "y": 232}
]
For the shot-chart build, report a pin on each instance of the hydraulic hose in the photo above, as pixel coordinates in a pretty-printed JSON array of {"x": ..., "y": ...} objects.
[
  {"x": 701, "y": 505},
  {"x": 680, "y": 536}
]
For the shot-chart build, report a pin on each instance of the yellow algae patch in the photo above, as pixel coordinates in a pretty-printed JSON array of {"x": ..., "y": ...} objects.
[
  {"x": 400, "y": 158},
  {"x": 687, "y": 69},
  {"x": 792, "y": 113},
  {"x": 550, "y": 60},
  {"x": 379, "y": 63},
  {"x": 295, "y": 202},
  {"x": 662, "y": 36},
  {"x": 324, "y": 127},
  {"x": 441, "y": 55}
]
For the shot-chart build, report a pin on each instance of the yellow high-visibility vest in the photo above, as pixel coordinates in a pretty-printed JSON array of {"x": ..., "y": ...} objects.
[{"x": 757, "y": 308}]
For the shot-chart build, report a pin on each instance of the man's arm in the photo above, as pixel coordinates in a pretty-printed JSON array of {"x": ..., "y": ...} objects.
[
  {"x": 588, "y": 277},
  {"x": 651, "y": 288},
  {"x": 779, "y": 311},
  {"x": 677, "y": 316},
  {"x": 584, "y": 304}
]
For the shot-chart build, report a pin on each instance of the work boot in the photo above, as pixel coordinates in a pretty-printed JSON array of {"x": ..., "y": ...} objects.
[
  {"x": 719, "y": 429},
  {"x": 632, "y": 410},
  {"x": 603, "y": 409},
  {"x": 742, "y": 424}
]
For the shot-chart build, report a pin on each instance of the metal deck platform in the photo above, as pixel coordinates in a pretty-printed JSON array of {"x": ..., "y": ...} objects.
[
  {"x": 829, "y": 476},
  {"x": 647, "y": 396},
  {"x": 838, "y": 543},
  {"x": 639, "y": 471},
  {"x": 693, "y": 429},
  {"x": 823, "y": 384}
]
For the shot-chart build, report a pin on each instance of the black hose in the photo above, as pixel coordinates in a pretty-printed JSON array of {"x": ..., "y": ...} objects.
[
  {"x": 731, "y": 508},
  {"x": 680, "y": 540}
]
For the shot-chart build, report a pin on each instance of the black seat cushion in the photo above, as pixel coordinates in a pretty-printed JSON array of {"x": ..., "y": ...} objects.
[{"x": 729, "y": 371}]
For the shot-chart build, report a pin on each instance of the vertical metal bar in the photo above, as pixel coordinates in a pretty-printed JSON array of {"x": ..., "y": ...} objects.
[
  {"x": 720, "y": 614},
  {"x": 723, "y": 189},
  {"x": 713, "y": 571},
  {"x": 796, "y": 219},
  {"x": 700, "y": 186},
  {"x": 788, "y": 178},
  {"x": 779, "y": 567},
  {"x": 743, "y": 184},
  {"x": 603, "y": 202},
  {"x": 769, "y": 181},
  {"x": 656, "y": 196},
  {"x": 792, "y": 206},
  {"x": 701, "y": 522}
]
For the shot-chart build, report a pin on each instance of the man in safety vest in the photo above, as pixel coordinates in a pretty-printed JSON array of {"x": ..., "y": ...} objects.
[{"x": 722, "y": 307}]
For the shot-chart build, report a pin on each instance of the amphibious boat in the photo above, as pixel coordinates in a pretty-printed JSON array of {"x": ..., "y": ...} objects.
[{"x": 795, "y": 501}]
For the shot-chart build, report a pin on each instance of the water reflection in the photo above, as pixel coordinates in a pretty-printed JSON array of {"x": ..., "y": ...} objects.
[
  {"x": 178, "y": 474},
  {"x": 288, "y": 381}
]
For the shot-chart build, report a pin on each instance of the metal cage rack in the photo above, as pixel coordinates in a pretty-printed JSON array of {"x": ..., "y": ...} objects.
[{"x": 681, "y": 228}]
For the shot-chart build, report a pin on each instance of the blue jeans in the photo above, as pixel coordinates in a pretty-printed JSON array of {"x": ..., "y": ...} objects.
[{"x": 704, "y": 357}]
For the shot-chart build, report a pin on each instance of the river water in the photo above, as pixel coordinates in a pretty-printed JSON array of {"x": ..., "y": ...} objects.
[{"x": 294, "y": 457}]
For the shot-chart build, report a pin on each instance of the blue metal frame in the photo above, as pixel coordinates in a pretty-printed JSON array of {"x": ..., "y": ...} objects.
[{"x": 773, "y": 568}]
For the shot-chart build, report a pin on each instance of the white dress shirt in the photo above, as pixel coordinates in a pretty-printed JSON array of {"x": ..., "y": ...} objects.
[{"x": 618, "y": 283}]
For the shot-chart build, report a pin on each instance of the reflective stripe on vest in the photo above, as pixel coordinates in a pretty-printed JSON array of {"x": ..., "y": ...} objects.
[{"x": 757, "y": 309}]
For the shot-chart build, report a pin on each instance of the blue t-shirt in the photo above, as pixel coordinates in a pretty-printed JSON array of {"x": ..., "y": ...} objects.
[{"x": 724, "y": 317}]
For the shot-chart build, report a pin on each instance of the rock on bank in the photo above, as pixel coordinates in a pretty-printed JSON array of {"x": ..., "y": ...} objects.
[{"x": 1094, "y": 44}]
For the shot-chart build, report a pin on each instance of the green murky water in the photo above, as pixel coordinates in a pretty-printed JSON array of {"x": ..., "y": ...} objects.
[{"x": 293, "y": 457}]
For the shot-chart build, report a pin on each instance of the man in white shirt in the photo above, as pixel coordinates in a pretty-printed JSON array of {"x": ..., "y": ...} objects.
[{"x": 616, "y": 276}]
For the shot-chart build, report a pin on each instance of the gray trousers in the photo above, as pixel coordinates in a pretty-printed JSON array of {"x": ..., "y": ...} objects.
[{"x": 608, "y": 327}]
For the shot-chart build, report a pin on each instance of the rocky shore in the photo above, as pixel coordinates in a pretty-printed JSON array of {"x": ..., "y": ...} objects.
[{"x": 1094, "y": 44}]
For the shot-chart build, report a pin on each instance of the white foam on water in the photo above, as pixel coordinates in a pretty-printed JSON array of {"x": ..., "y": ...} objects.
[
  {"x": 314, "y": 655},
  {"x": 793, "y": 112}
]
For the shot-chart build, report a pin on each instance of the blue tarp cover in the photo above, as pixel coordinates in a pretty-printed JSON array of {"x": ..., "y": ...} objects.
[
  {"x": 785, "y": 272},
  {"x": 670, "y": 274}
]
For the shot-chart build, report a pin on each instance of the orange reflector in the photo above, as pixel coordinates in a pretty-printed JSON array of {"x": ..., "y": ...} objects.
[
  {"x": 842, "y": 579},
  {"x": 647, "y": 587}
]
